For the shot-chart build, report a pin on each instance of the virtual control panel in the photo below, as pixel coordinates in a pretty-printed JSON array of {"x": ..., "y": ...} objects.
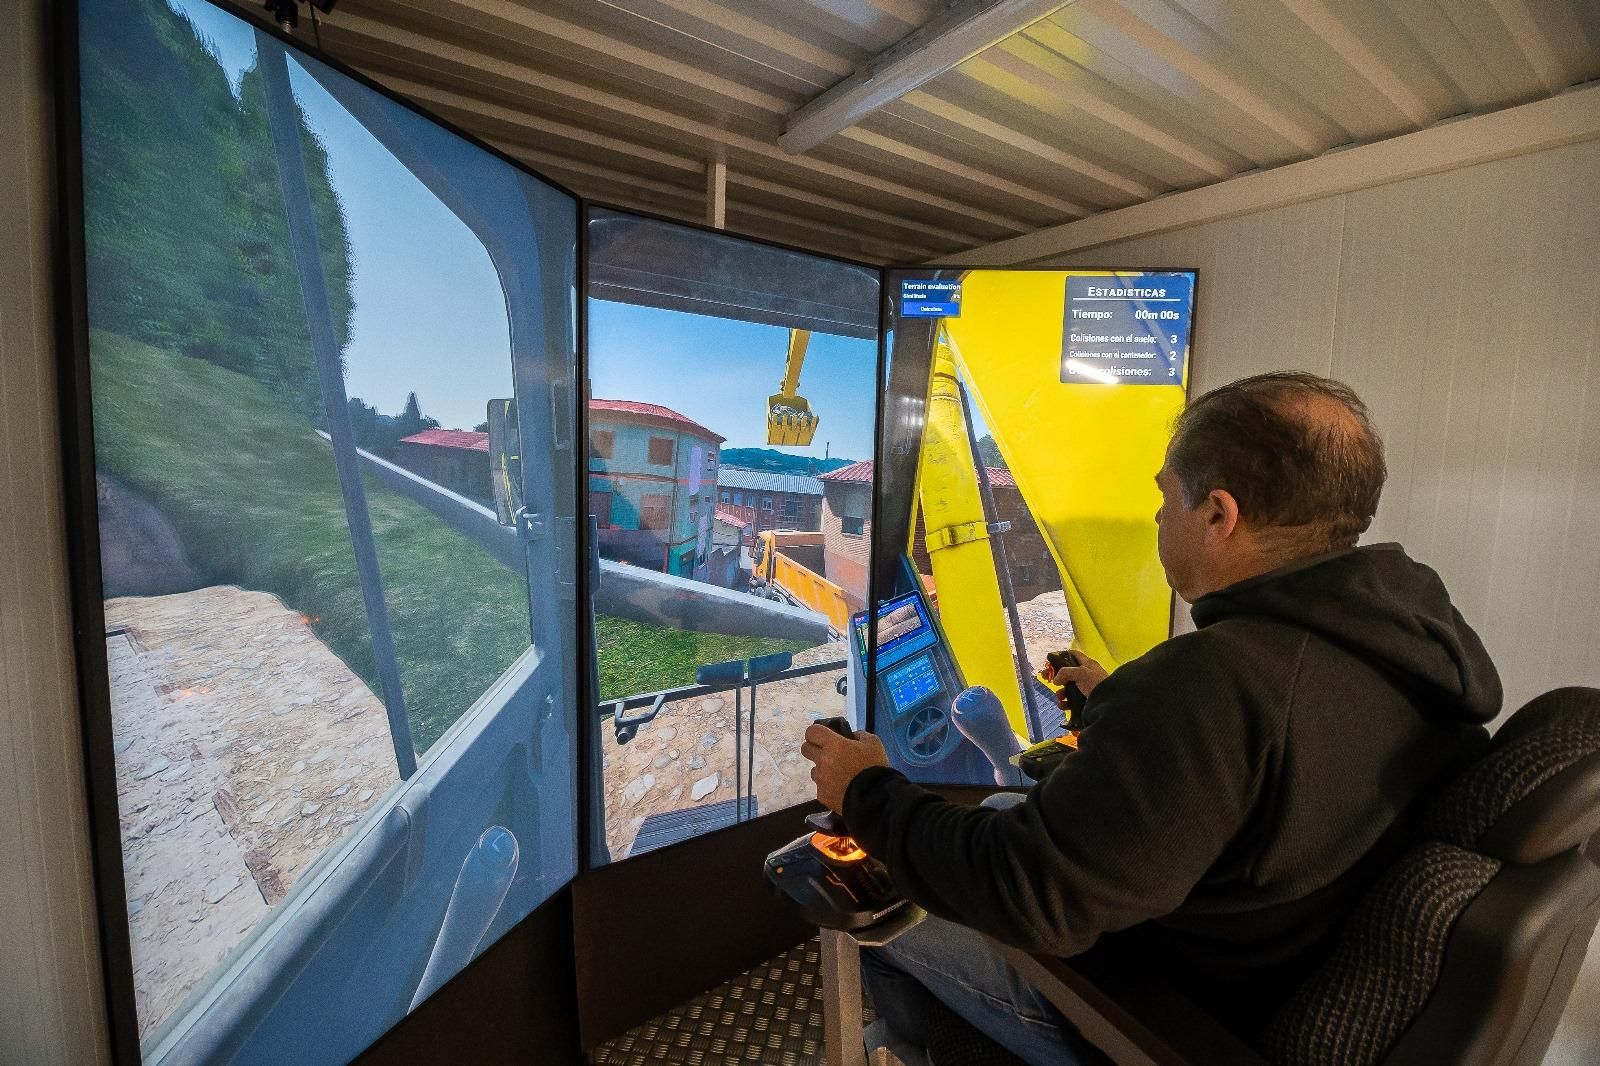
[{"x": 916, "y": 681}]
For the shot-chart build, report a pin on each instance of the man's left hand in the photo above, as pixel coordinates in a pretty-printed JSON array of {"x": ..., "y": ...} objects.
[{"x": 838, "y": 760}]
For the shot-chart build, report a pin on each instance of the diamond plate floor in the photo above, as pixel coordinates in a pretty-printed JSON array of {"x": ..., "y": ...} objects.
[{"x": 771, "y": 1015}]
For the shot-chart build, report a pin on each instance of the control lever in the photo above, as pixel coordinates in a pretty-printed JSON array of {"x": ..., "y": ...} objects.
[
  {"x": 481, "y": 886},
  {"x": 836, "y": 884},
  {"x": 1072, "y": 698},
  {"x": 981, "y": 718},
  {"x": 826, "y": 821}
]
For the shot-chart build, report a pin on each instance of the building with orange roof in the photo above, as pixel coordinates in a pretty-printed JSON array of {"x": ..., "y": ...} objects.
[{"x": 652, "y": 486}]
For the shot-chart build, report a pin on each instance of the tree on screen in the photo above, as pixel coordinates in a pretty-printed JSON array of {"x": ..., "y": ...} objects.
[{"x": 187, "y": 248}]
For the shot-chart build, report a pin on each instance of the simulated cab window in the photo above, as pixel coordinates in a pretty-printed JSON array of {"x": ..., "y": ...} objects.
[
  {"x": 739, "y": 373},
  {"x": 319, "y": 626}
]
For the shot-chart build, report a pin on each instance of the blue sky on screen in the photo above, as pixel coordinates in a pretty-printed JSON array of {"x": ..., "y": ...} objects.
[
  {"x": 720, "y": 373},
  {"x": 430, "y": 314},
  {"x": 429, "y": 310}
]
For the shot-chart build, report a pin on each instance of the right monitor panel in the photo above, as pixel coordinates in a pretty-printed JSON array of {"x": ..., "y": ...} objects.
[{"x": 1026, "y": 415}]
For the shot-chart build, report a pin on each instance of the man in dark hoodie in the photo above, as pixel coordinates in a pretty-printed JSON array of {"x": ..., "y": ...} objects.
[{"x": 1236, "y": 788}]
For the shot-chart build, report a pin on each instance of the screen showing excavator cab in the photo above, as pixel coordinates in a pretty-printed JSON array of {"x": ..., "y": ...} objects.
[
  {"x": 340, "y": 687},
  {"x": 1026, "y": 414}
]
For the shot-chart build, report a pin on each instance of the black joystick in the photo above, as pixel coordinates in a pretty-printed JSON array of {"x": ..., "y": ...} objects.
[
  {"x": 826, "y": 821},
  {"x": 1071, "y": 695},
  {"x": 836, "y": 884}
]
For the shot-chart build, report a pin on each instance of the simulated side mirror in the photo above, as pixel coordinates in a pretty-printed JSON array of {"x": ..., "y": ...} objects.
[{"x": 505, "y": 460}]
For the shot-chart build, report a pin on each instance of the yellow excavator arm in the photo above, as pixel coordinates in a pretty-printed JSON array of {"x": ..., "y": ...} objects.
[
  {"x": 790, "y": 420},
  {"x": 1082, "y": 458}
]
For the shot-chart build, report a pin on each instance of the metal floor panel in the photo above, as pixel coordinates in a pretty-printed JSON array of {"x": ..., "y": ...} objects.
[
  {"x": 770, "y": 1015},
  {"x": 669, "y": 827}
]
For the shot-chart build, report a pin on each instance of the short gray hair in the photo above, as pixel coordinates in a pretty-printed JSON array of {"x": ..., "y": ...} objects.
[{"x": 1316, "y": 480}]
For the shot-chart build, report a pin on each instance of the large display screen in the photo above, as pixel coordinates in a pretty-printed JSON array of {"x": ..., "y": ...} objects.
[
  {"x": 345, "y": 759},
  {"x": 732, "y": 415},
  {"x": 1027, "y": 413}
]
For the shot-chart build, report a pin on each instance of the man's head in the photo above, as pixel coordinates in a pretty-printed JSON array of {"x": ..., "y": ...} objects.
[{"x": 1261, "y": 472}]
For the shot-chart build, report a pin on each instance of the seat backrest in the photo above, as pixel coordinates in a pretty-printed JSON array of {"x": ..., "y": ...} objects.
[{"x": 1465, "y": 950}]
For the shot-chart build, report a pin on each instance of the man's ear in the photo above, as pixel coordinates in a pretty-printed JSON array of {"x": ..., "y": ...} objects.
[{"x": 1222, "y": 515}]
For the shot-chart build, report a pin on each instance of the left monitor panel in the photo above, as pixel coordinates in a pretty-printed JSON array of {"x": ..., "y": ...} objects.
[{"x": 331, "y": 352}]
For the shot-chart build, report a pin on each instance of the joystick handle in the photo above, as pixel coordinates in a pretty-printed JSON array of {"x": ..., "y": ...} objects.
[
  {"x": 839, "y": 724},
  {"x": 826, "y": 821},
  {"x": 1071, "y": 694},
  {"x": 981, "y": 718}
]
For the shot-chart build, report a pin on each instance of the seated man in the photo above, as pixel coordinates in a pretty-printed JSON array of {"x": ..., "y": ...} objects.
[{"x": 1236, "y": 788}]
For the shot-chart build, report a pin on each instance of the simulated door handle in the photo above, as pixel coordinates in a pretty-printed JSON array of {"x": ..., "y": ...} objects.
[{"x": 480, "y": 889}]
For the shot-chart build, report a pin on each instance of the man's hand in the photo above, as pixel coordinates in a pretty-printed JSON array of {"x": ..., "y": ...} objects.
[
  {"x": 838, "y": 761},
  {"x": 1086, "y": 675}
]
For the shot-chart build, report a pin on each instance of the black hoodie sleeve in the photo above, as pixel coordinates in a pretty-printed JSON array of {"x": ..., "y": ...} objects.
[{"x": 1168, "y": 770}]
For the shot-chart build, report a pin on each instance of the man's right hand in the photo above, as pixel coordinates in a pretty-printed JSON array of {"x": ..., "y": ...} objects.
[{"x": 1086, "y": 675}]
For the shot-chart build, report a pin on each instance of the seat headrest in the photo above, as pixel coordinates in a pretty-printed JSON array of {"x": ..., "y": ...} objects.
[{"x": 1536, "y": 792}]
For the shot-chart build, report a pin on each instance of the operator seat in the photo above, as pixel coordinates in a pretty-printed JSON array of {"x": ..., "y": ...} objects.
[{"x": 1464, "y": 951}]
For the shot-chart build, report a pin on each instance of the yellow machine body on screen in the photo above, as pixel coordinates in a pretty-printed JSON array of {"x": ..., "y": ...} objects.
[{"x": 1084, "y": 458}]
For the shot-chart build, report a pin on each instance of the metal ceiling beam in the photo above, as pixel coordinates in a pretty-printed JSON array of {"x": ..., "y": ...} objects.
[
  {"x": 607, "y": 184},
  {"x": 1336, "y": 31},
  {"x": 951, "y": 37},
  {"x": 545, "y": 34},
  {"x": 744, "y": 37},
  {"x": 1088, "y": 92},
  {"x": 1161, "y": 51},
  {"x": 396, "y": 49},
  {"x": 520, "y": 143},
  {"x": 978, "y": 177},
  {"x": 1120, "y": 184}
]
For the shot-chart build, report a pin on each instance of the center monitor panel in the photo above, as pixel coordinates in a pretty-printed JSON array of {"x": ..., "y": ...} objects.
[{"x": 731, "y": 422}]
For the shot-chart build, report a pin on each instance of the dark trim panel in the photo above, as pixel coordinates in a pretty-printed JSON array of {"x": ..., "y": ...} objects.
[
  {"x": 83, "y": 548},
  {"x": 517, "y": 998},
  {"x": 655, "y": 930}
]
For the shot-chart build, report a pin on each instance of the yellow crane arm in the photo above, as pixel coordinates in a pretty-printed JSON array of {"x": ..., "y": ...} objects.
[
  {"x": 970, "y": 606},
  {"x": 798, "y": 340},
  {"x": 1083, "y": 457},
  {"x": 790, "y": 420}
]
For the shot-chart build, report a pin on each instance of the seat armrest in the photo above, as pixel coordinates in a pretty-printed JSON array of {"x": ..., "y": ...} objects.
[{"x": 1136, "y": 1019}]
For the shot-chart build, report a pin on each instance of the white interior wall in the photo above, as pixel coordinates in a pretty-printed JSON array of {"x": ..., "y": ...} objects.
[
  {"x": 1464, "y": 307},
  {"x": 51, "y": 1003}
]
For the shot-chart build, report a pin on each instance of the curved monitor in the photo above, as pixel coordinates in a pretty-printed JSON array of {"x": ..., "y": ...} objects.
[
  {"x": 732, "y": 416},
  {"x": 345, "y": 760}
]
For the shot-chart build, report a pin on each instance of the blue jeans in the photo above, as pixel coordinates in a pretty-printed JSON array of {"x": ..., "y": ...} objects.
[{"x": 965, "y": 971}]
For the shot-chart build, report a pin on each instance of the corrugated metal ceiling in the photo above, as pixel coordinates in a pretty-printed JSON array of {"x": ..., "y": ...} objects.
[{"x": 1102, "y": 104}]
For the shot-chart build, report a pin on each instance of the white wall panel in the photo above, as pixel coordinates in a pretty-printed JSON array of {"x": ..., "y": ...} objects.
[
  {"x": 1467, "y": 316},
  {"x": 51, "y": 1002},
  {"x": 1464, "y": 307}
]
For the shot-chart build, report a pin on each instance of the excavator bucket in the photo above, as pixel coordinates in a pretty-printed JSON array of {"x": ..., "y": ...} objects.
[{"x": 790, "y": 420}]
